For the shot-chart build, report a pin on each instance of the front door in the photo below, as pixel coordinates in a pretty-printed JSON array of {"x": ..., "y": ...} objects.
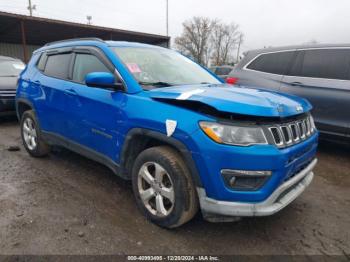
[{"x": 96, "y": 112}]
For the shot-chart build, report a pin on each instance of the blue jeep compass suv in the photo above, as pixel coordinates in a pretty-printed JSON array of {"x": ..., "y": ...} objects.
[{"x": 185, "y": 139}]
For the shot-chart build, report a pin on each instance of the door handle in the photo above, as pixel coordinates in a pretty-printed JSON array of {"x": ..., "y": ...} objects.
[
  {"x": 70, "y": 92},
  {"x": 296, "y": 84}
]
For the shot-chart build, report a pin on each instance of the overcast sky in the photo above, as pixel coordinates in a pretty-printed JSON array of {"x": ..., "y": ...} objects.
[{"x": 263, "y": 22}]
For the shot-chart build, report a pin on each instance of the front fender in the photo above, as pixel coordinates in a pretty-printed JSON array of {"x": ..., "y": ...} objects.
[{"x": 179, "y": 146}]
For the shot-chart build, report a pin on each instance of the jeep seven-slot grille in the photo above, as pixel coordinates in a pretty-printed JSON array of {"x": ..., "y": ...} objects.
[
  {"x": 9, "y": 93},
  {"x": 292, "y": 133}
]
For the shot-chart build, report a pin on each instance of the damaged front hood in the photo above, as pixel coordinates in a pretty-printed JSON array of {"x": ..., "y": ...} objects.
[{"x": 231, "y": 99}]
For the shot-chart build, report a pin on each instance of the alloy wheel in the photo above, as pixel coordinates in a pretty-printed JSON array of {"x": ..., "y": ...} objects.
[
  {"x": 29, "y": 133},
  {"x": 156, "y": 189}
]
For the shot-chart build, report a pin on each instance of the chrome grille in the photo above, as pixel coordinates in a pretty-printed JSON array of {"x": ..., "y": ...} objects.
[
  {"x": 9, "y": 93},
  {"x": 287, "y": 134},
  {"x": 276, "y": 134},
  {"x": 292, "y": 133},
  {"x": 293, "y": 127}
]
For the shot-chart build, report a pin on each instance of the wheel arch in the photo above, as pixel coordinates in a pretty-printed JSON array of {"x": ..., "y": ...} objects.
[
  {"x": 23, "y": 105},
  {"x": 139, "y": 139}
]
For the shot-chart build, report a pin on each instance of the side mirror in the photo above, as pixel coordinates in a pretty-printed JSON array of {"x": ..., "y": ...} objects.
[{"x": 102, "y": 80}]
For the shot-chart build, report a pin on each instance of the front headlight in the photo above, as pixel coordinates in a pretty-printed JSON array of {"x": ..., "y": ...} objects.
[{"x": 233, "y": 135}]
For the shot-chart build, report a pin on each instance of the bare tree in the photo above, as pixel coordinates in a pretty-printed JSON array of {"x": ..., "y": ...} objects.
[
  {"x": 224, "y": 40},
  {"x": 207, "y": 40},
  {"x": 194, "y": 40}
]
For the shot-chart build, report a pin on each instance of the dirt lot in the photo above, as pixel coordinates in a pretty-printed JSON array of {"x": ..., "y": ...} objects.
[{"x": 67, "y": 204}]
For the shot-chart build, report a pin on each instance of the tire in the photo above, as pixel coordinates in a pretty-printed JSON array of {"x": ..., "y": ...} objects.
[
  {"x": 176, "y": 178},
  {"x": 31, "y": 136}
]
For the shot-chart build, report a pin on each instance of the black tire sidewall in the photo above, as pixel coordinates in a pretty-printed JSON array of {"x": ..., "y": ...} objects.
[{"x": 175, "y": 171}]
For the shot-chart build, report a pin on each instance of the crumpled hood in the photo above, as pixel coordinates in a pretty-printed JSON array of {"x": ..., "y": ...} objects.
[{"x": 231, "y": 99}]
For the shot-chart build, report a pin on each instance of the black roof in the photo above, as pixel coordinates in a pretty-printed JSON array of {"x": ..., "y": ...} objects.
[{"x": 40, "y": 31}]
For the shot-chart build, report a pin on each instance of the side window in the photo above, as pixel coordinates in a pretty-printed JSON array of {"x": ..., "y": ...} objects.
[
  {"x": 223, "y": 70},
  {"x": 86, "y": 63},
  {"x": 275, "y": 63},
  {"x": 297, "y": 65},
  {"x": 326, "y": 63},
  {"x": 58, "y": 65}
]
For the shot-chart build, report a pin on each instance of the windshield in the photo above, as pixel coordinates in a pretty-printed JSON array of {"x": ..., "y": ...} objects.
[
  {"x": 156, "y": 67},
  {"x": 10, "y": 68}
]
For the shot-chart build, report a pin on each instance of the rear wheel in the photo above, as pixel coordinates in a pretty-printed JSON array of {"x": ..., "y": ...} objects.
[
  {"x": 163, "y": 187},
  {"x": 31, "y": 136}
]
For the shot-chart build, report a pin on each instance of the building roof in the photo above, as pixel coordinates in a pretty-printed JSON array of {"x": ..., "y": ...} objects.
[{"x": 39, "y": 31}]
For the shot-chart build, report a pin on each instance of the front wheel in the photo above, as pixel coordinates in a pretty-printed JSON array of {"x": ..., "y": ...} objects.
[
  {"x": 31, "y": 136},
  {"x": 163, "y": 187}
]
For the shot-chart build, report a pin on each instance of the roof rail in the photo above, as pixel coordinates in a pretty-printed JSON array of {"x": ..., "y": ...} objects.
[{"x": 75, "y": 39}]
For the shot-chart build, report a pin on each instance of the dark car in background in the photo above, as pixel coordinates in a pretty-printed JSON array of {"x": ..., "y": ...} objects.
[
  {"x": 10, "y": 68},
  {"x": 319, "y": 73},
  {"x": 221, "y": 71}
]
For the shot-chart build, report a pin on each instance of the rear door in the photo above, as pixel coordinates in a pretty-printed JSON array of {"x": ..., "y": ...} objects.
[
  {"x": 265, "y": 71},
  {"x": 323, "y": 77},
  {"x": 53, "y": 82}
]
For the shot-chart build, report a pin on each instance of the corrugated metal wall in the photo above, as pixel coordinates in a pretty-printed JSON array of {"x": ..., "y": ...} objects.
[{"x": 16, "y": 50}]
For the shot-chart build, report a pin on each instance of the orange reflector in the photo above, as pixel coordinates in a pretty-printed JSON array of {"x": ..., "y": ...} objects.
[{"x": 211, "y": 134}]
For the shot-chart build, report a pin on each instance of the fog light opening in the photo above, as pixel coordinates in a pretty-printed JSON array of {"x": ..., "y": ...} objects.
[
  {"x": 232, "y": 181},
  {"x": 245, "y": 179}
]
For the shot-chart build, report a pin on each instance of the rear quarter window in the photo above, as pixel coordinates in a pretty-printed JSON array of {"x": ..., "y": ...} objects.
[
  {"x": 323, "y": 63},
  {"x": 275, "y": 63},
  {"x": 41, "y": 62}
]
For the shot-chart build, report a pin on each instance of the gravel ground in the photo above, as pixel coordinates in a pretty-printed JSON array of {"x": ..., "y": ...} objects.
[{"x": 67, "y": 204}]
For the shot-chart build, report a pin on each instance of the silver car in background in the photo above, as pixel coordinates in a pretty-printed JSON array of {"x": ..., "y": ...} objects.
[
  {"x": 10, "y": 68},
  {"x": 319, "y": 73}
]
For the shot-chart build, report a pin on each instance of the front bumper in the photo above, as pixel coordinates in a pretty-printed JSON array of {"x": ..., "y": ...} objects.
[{"x": 281, "y": 197}]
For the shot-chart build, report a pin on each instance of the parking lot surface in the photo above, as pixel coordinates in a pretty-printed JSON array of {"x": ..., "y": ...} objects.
[{"x": 67, "y": 204}]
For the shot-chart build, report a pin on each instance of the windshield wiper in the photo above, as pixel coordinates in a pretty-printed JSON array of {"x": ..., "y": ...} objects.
[
  {"x": 157, "y": 84},
  {"x": 8, "y": 75}
]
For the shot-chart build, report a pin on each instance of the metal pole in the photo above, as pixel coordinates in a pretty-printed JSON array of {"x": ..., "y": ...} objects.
[
  {"x": 167, "y": 17},
  {"x": 239, "y": 46},
  {"x": 30, "y": 8},
  {"x": 24, "y": 44}
]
